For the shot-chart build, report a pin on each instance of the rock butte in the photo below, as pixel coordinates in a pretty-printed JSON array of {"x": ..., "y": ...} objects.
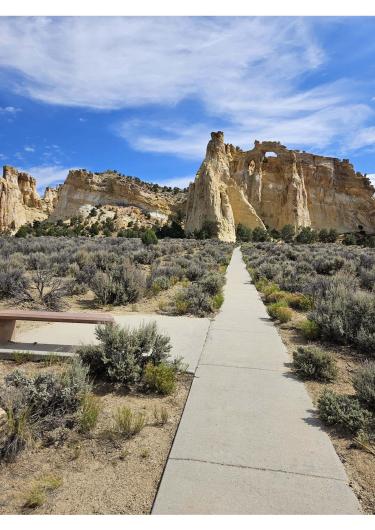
[
  {"x": 252, "y": 188},
  {"x": 231, "y": 187},
  {"x": 19, "y": 201}
]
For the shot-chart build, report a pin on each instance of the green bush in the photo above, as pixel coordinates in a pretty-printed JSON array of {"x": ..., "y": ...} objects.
[
  {"x": 306, "y": 235},
  {"x": 284, "y": 314},
  {"x": 243, "y": 233},
  {"x": 260, "y": 234},
  {"x": 160, "y": 378},
  {"x": 343, "y": 411},
  {"x": 364, "y": 384},
  {"x": 349, "y": 239},
  {"x": 149, "y": 238},
  {"x": 299, "y": 301},
  {"x": 287, "y": 233},
  {"x": 123, "y": 354},
  {"x": 280, "y": 311},
  {"x": 217, "y": 301},
  {"x": 312, "y": 363},
  {"x": 310, "y": 329}
]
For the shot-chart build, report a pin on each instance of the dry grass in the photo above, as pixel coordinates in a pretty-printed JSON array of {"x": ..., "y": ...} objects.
[{"x": 100, "y": 474}]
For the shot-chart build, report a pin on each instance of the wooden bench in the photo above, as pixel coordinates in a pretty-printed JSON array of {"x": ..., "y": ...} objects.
[{"x": 8, "y": 320}]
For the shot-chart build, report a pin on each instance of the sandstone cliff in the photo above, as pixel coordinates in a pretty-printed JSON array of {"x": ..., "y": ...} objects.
[
  {"x": 252, "y": 188},
  {"x": 19, "y": 200},
  {"x": 83, "y": 188}
]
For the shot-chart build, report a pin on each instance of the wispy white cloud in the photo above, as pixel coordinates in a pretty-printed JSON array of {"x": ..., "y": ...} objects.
[
  {"x": 9, "y": 110},
  {"x": 245, "y": 72},
  {"x": 178, "y": 182},
  {"x": 47, "y": 175},
  {"x": 29, "y": 149}
]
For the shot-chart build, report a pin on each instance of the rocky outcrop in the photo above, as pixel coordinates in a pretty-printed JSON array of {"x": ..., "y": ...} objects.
[
  {"x": 109, "y": 188},
  {"x": 19, "y": 200},
  {"x": 289, "y": 187}
]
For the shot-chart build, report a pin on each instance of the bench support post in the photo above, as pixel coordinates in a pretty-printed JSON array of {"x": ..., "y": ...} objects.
[{"x": 7, "y": 330}]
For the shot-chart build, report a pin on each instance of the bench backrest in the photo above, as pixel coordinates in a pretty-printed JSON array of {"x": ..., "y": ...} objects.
[{"x": 57, "y": 316}]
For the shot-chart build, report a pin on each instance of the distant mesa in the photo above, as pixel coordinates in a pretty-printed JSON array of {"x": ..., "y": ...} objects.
[{"x": 269, "y": 185}]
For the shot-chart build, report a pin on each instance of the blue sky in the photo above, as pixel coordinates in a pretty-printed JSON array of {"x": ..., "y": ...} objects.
[{"x": 142, "y": 95}]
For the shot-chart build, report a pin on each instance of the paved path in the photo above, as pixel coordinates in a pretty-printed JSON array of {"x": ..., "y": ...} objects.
[
  {"x": 248, "y": 442},
  {"x": 187, "y": 336}
]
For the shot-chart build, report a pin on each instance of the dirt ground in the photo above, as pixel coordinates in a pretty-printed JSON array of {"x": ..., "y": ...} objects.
[
  {"x": 96, "y": 473},
  {"x": 359, "y": 463}
]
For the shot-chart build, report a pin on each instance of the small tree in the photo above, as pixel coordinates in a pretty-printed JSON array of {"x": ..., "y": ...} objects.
[
  {"x": 243, "y": 233},
  {"x": 149, "y": 238},
  {"x": 260, "y": 234},
  {"x": 287, "y": 233},
  {"x": 306, "y": 235}
]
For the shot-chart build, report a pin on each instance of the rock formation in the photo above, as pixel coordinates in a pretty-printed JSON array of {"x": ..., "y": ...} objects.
[
  {"x": 231, "y": 187},
  {"x": 83, "y": 187},
  {"x": 19, "y": 200},
  {"x": 252, "y": 188}
]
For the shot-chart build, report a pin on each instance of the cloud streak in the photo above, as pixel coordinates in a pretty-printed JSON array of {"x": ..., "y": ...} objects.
[{"x": 246, "y": 73}]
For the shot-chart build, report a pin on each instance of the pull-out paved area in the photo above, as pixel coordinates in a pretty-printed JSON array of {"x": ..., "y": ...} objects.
[
  {"x": 248, "y": 441},
  {"x": 187, "y": 336}
]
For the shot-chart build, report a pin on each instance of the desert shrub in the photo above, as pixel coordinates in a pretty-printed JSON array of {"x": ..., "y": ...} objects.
[
  {"x": 299, "y": 301},
  {"x": 160, "y": 378},
  {"x": 217, "y": 301},
  {"x": 287, "y": 233},
  {"x": 193, "y": 300},
  {"x": 128, "y": 423},
  {"x": 12, "y": 281},
  {"x": 306, "y": 235},
  {"x": 343, "y": 411},
  {"x": 312, "y": 363},
  {"x": 280, "y": 311},
  {"x": 149, "y": 238},
  {"x": 283, "y": 314},
  {"x": 89, "y": 413},
  {"x": 123, "y": 354},
  {"x": 146, "y": 257},
  {"x": 121, "y": 285},
  {"x": 212, "y": 283},
  {"x": 328, "y": 265},
  {"x": 38, "y": 404},
  {"x": 260, "y": 234},
  {"x": 346, "y": 316},
  {"x": 310, "y": 329},
  {"x": 349, "y": 239},
  {"x": 367, "y": 278},
  {"x": 243, "y": 233},
  {"x": 364, "y": 384},
  {"x": 161, "y": 283},
  {"x": 194, "y": 272},
  {"x": 45, "y": 288}
]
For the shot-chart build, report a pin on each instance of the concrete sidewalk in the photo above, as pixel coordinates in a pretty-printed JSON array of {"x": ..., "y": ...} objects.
[{"x": 248, "y": 441}]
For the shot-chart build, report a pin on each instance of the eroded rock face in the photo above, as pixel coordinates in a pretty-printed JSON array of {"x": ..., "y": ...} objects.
[
  {"x": 84, "y": 187},
  {"x": 19, "y": 200},
  {"x": 252, "y": 188}
]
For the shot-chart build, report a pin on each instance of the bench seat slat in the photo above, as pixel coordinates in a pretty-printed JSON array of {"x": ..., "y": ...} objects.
[{"x": 56, "y": 316}]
